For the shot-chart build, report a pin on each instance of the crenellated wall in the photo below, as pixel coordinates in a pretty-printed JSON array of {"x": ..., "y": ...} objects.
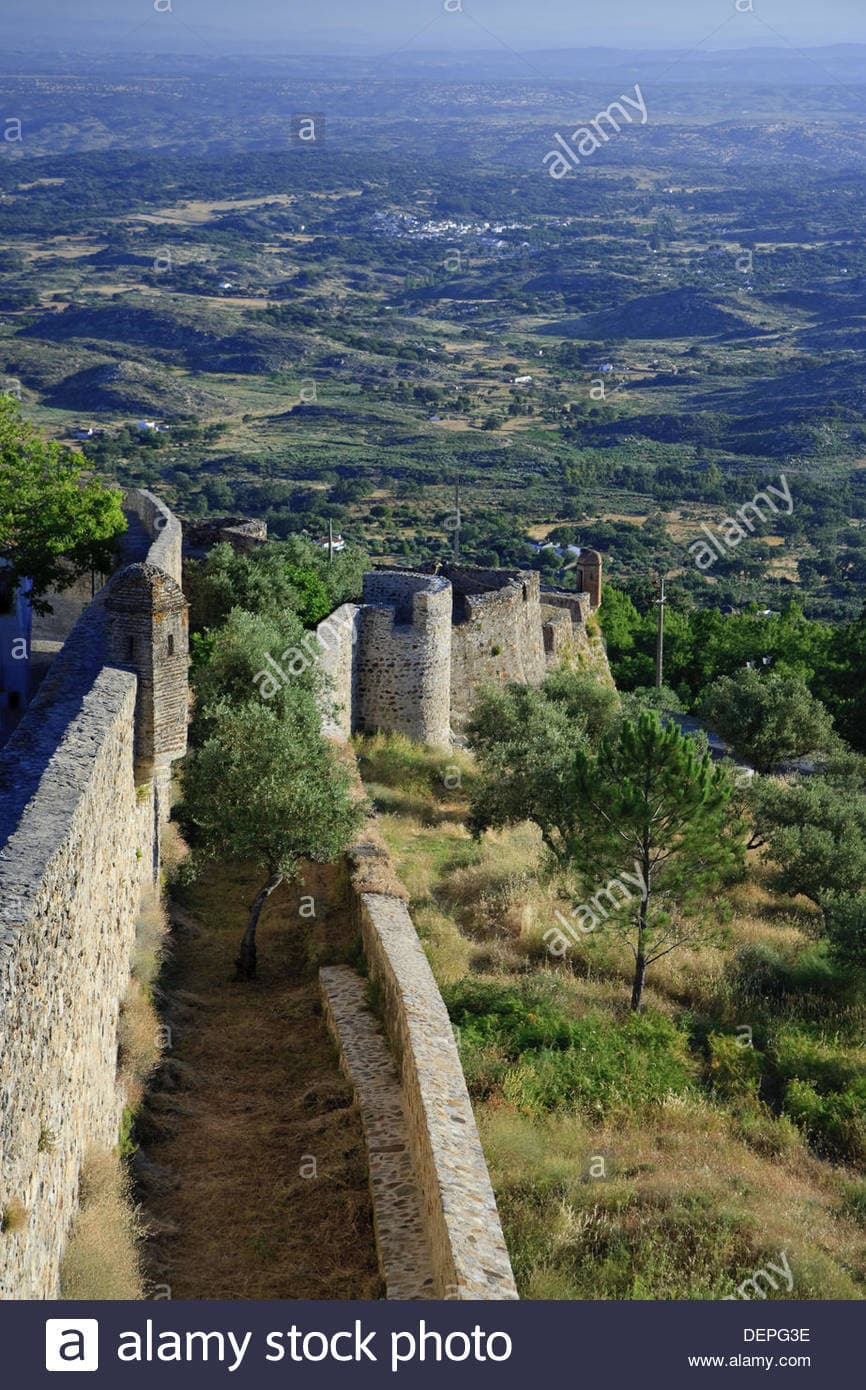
[
  {"x": 497, "y": 634},
  {"x": 80, "y": 813}
]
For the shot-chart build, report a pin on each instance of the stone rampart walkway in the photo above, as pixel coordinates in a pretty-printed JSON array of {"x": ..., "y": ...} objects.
[{"x": 404, "y": 1254}]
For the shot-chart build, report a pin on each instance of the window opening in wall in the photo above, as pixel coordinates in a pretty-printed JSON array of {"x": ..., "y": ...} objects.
[
  {"x": 130, "y": 648},
  {"x": 171, "y": 646}
]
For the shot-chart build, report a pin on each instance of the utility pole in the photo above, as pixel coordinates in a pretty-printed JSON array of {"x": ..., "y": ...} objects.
[
  {"x": 457, "y": 519},
  {"x": 660, "y": 645},
  {"x": 330, "y": 541}
]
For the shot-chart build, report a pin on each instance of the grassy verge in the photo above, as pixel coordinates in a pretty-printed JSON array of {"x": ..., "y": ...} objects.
[{"x": 669, "y": 1156}]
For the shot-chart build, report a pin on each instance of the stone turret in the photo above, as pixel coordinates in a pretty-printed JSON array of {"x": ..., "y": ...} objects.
[
  {"x": 148, "y": 633},
  {"x": 404, "y": 673},
  {"x": 589, "y": 576}
]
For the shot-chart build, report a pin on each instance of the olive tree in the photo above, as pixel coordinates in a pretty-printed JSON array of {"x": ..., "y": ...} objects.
[{"x": 266, "y": 788}]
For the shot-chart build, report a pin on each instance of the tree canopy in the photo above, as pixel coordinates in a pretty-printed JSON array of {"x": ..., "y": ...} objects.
[
  {"x": 55, "y": 524},
  {"x": 768, "y": 718},
  {"x": 525, "y": 741},
  {"x": 261, "y": 783},
  {"x": 614, "y": 799},
  {"x": 267, "y": 789},
  {"x": 814, "y": 831},
  {"x": 651, "y": 799},
  {"x": 291, "y": 575}
]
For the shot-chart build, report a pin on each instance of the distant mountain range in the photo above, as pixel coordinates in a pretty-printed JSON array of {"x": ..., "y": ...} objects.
[{"x": 189, "y": 49}]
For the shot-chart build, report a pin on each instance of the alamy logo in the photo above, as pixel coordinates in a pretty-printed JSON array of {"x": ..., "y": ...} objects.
[{"x": 71, "y": 1344}]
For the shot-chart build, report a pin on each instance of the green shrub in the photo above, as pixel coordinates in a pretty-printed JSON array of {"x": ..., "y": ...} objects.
[
  {"x": 762, "y": 973},
  {"x": 734, "y": 1070},
  {"x": 854, "y": 1202},
  {"x": 126, "y": 1145},
  {"x": 824, "y": 1091},
  {"x": 835, "y": 1123},
  {"x": 799, "y": 1055},
  {"x": 518, "y": 1039}
]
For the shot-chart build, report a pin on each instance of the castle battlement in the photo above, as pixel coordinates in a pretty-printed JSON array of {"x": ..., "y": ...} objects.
[{"x": 424, "y": 643}]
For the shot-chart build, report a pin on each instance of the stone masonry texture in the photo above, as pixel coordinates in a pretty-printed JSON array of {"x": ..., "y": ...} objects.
[
  {"x": 414, "y": 656},
  {"x": 79, "y": 834},
  {"x": 470, "y": 1259},
  {"x": 405, "y": 1258},
  {"x": 404, "y": 662}
]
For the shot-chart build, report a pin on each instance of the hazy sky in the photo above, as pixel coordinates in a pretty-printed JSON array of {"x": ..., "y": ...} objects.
[{"x": 382, "y": 24}]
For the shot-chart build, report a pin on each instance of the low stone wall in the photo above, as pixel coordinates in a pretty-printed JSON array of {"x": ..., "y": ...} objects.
[
  {"x": 403, "y": 1249},
  {"x": 470, "y": 1259},
  {"x": 461, "y": 1222}
]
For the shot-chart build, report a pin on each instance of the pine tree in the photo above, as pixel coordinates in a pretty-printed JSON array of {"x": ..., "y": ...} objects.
[{"x": 649, "y": 798}]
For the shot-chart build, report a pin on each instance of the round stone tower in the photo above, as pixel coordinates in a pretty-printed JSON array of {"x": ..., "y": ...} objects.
[{"x": 404, "y": 662}]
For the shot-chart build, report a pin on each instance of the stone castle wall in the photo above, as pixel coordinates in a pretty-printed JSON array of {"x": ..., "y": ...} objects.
[
  {"x": 404, "y": 661},
  {"x": 70, "y": 880},
  {"x": 79, "y": 834},
  {"x": 414, "y": 656},
  {"x": 337, "y": 646},
  {"x": 497, "y": 634}
]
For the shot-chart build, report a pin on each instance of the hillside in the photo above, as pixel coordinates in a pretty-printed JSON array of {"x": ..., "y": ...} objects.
[{"x": 639, "y": 1163}]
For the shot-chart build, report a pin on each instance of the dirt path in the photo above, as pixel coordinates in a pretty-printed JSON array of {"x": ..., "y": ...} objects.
[{"x": 252, "y": 1167}]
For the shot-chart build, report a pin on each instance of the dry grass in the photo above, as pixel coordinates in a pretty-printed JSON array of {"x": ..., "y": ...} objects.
[
  {"x": 173, "y": 849},
  {"x": 673, "y": 1208},
  {"x": 697, "y": 1193},
  {"x": 138, "y": 1040},
  {"x": 101, "y": 1260},
  {"x": 151, "y": 938},
  {"x": 13, "y": 1217},
  {"x": 371, "y": 868}
]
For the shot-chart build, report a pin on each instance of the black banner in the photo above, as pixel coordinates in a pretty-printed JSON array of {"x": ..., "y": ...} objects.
[{"x": 429, "y": 1344}]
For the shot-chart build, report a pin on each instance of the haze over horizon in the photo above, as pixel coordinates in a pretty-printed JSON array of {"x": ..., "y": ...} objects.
[{"x": 369, "y": 26}]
